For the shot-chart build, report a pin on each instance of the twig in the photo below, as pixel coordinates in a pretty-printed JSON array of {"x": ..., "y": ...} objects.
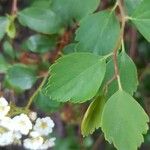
[
  {"x": 108, "y": 83},
  {"x": 14, "y": 8},
  {"x": 119, "y": 41},
  {"x": 98, "y": 142}
]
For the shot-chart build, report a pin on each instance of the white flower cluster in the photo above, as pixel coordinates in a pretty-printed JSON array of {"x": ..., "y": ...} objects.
[{"x": 36, "y": 131}]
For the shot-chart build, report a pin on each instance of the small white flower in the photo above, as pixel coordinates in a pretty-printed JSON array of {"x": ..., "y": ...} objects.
[
  {"x": 17, "y": 138},
  {"x": 44, "y": 125},
  {"x": 22, "y": 124},
  {"x": 34, "y": 134},
  {"x": 4, "y": 108},
  {"x": 33, "y": 115},
  {"x": 48, "y": 143},
  {"x": 33, "y": 143},
  {"x": 17, "y": 135},
  {"x": 6, "y": 138},
  {"x": 7, "y": 123},
  {"x": 3, "y": 101}
]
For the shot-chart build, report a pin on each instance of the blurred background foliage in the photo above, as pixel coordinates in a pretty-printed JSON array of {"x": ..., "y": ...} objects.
[{"x": 26, "y": 54}]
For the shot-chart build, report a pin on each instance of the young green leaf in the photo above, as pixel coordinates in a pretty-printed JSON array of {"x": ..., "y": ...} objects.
[
  {"x": 75, "y": 77},
  {"x": 124, "y": 121},
  {"x": 10, "y": 27},
  {"x": 141, "y": 18},
  {"x": 92, "y": 117},
  {"x": 3, "y": 23},
  {"x": 95, "y": 29},
  {"x": 128, "y": 75},
  {"x": 40, "y": 19},
  {"x": 20, "y": 77},
  {"x": 73, "y": 9}
]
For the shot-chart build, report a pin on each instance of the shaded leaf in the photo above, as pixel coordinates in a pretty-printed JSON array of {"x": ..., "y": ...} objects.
[
  {"x": 8, "y": 49},
  {"x": 40, "y": 19},
  {"x": 45, "y": 104},
  {"x": 40, "y": 43},
  {"x": 3, "y": 23},
  {"x": 70, "y": 48},
  {"x": 3, "y": 64},
  {"x": 92, "y": 117},
  {"x": 20, "y": 77}
]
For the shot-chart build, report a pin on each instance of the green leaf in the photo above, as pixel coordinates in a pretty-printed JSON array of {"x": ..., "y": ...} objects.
[
  {"x": 92, "y": 117},
  {"x": 43, "y": 3},
  {"x": 3, "y": 23},
  {"x": 124, "y": 121},
  {"x": 141, "y": 18},
  {"x": 40, "y": 19},
  {"x": 74, "y": 9},
  {"x": 8, "y": 49},
  {"x": 70, "y": 48},
  {"x": 75, "y": 77},
  {"x": 11, "y": 28},
  {"x": 40, "y": 43},
  {"x": 131, "y": 5},
  {"x": 3, "y": 64},
  {"x": 94, "y": 30},
  {"x": 128, "y": 75},
  {"x": 20, "y": 77},
  {"x": 45, "y": 104}
]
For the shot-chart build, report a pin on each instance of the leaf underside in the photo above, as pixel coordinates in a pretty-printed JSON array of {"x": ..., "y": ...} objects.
[{"x": 92, "y": 117}]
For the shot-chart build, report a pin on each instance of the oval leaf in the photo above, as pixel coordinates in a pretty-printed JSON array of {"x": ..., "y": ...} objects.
[
  {"x": 40, "y": 43},
  {"x": 70, "y": 10},
  {"x": 20, "y": 77},
  {"x": 4, "y": 65},
  {"x": 141, "y": 18},
  {"x": 94, "y": 30},
  {"x": 40, "y": 19},
  {"x": 124, "y": 121},
  {"x": 75, "y": 77},
  {"x": 3, "y": 24}
]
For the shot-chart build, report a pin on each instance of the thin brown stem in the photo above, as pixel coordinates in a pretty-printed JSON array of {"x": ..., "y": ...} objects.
[
  {"x": 14, "y": 7},
  {"x": 98, "y": 142},
  {"x": 108, "y": 83},
  {"x": 119, "y": 41}
]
